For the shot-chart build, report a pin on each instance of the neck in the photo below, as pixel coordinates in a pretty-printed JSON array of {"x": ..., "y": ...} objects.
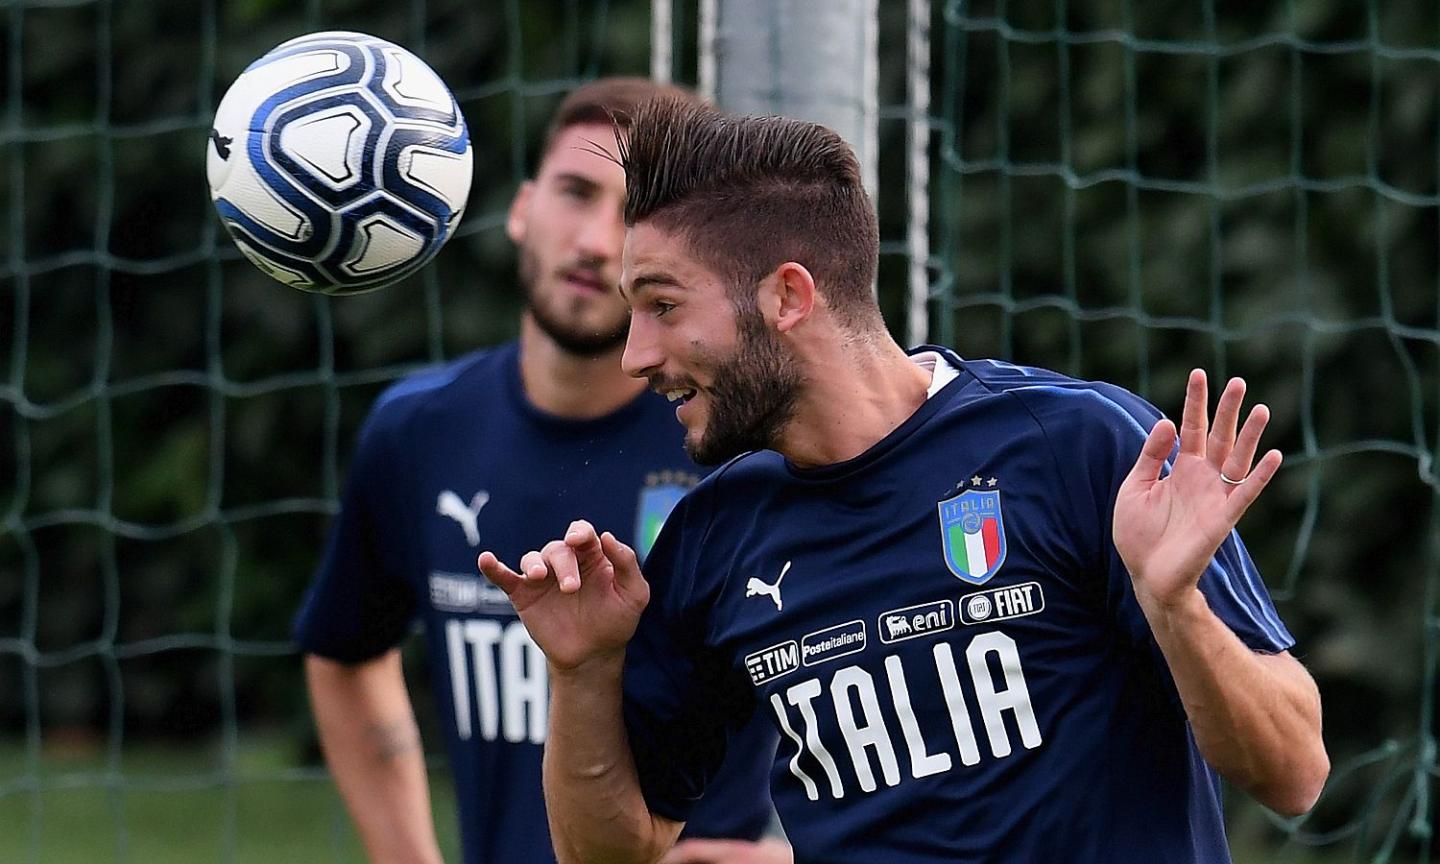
[
  {"x": 566, "y": 385},
  {"x": 856, "y": 392}
]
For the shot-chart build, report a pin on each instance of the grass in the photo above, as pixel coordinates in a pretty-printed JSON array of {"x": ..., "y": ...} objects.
[{"x": 169, "y": 805}]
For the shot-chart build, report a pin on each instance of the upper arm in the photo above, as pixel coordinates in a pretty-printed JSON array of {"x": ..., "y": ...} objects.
[
  {"x": 323, "y": 670},
  {"x": 1287, "y": 669},
  {"x": 359, "y": 603},
  {"x": 374, "y": 685}
]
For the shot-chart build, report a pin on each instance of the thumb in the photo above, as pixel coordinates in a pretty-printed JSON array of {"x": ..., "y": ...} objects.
[
  {"x": 1153, "y": 453},
  {"x": 628, "y": 578}
]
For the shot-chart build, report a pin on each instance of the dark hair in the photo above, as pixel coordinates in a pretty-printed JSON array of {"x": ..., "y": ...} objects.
[
  {"x": 750, "y": 193},
  {"x": 607, "y": 101}
]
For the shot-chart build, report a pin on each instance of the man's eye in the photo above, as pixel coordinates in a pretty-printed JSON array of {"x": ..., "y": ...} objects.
[{"x": 661, "y": 307}]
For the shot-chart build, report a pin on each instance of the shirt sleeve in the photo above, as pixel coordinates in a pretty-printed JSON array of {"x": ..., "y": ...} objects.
[
  {"x": 1107, "y": 426},
  {"x": 359, "y": 604},
  {"x": 683, "y": 704}
]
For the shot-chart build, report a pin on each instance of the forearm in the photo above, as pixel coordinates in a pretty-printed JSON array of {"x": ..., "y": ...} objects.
[
  {"x": 597, "y": 812},
  {"x": 372, "y": 745},
  {"x": 1255, "y": 717}
]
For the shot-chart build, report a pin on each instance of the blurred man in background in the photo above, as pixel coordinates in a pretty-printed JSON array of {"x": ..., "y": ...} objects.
[{"x": 503, "y": 447}]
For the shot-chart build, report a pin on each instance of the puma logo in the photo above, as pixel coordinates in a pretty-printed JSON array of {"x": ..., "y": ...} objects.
[
  {"x": 449, "y": 504},
  {"x": 755, "y": 586},
  {"x": 222, "y": 144}
]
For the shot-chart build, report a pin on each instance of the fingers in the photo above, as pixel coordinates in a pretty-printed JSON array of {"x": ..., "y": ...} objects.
[
  {"x": 627, "y": 566},
  {"x": 1229, "y": 453},
  {"x": 583, "y": 545},
  {"x": 1222, "y": 430},
  {"x": 1153, "y": 453},
  {"x": 698, "y": 851},
  {"x": 1195, "y": 417},
  {"x": 582, "y": 538},
  {"x": 559, "y": 558},
  {"x": 1243, "y": 495},
  {"x": 580, "y": 552},
  {"x": 503, "y": 577},
  {"x": 555, "y": 559},
  {"x": 1237, "y": 465}
]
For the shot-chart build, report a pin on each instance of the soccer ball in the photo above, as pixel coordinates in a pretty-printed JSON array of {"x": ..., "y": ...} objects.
[{"x": 339, "y": 163}]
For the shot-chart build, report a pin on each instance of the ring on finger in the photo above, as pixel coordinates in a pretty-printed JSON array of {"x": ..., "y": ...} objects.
[{"x": 1229, "y": 482}]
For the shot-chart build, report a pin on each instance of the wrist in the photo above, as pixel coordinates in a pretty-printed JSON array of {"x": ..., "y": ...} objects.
[
  {"x": 1175, "y": 611},
  {"x": 598, "y": 667}
]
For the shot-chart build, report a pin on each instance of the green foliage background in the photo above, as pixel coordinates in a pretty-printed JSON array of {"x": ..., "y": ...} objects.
[{"x": 1119, "y": 190}]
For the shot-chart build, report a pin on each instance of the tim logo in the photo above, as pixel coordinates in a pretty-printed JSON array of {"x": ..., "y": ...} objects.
[
  {"x": 998, "y": 604},
  {"x": 770, "y": 663},
  {"x": 922, "y": 620}
]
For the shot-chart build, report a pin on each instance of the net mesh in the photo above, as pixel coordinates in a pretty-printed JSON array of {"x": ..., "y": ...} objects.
[
  {"x": 1116, "y": 190},
  {"x": 174, "y": 426},
  {"x": 1123, "y": 191}
]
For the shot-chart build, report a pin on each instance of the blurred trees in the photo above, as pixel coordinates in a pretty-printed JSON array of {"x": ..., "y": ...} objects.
[
  {"x": 1250, "y": 188},
  {"x": 174, "y": 426},
  {"x": 1120, "y": 190}
]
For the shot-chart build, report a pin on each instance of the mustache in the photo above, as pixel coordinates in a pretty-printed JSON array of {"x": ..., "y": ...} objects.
[
  {"x": 586, "y": 267},
  {"x": 662, "y": 383}
]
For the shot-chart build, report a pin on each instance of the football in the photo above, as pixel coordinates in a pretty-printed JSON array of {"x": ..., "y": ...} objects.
[{"x": 339, "y": 163}]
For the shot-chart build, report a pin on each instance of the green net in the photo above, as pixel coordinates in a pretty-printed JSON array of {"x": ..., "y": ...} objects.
[
  {"x": 1125, "y": 190},
  {"x": 174, "y": 426},
  {"x": 1117, "y": 190}
]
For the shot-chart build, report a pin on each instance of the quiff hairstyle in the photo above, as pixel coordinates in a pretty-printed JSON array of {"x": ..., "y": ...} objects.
[
  {"x": 751, "y": 193},
  {"x": 606, "y": 102}
]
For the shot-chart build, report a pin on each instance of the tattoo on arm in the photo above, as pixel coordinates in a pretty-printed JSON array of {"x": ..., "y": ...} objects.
[{"x": 393, "y": 740}]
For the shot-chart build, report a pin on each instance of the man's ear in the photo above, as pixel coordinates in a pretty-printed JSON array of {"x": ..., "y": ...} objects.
[
  {"x": 518, "y": 218},
  {"x": 787, "y": 296}
]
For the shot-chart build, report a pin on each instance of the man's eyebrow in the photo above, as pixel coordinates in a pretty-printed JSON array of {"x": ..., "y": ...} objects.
[
  {"x": 572, "y": 177},
  {"x": 649, "y": 280}
]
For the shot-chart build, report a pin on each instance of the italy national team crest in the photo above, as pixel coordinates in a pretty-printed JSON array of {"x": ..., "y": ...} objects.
[
  {"x": 972, "y": 532},
  {"x": 661, "y": 492}
]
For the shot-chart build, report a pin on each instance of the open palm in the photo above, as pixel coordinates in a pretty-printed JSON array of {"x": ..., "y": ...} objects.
[{"x": 1167, "y": 528}]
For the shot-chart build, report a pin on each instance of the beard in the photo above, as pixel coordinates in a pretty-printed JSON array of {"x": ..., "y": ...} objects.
[
  {"x": 561, "y": 325},
  {"x": 753, "y": 394}
]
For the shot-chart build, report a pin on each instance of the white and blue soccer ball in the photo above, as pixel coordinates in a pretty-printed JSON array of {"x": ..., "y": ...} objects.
[{"x": 339, "y": 163}]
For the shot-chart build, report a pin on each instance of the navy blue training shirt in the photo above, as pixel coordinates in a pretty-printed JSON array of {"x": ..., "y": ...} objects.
[
  {"x": 455, "y": 461},
  {"x": 944, "y": 636}
]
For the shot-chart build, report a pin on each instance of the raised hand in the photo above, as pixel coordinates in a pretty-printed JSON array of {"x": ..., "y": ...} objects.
[
  {"x": 1167, "y": 529},
  {"x": 580, "y": 597}
]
